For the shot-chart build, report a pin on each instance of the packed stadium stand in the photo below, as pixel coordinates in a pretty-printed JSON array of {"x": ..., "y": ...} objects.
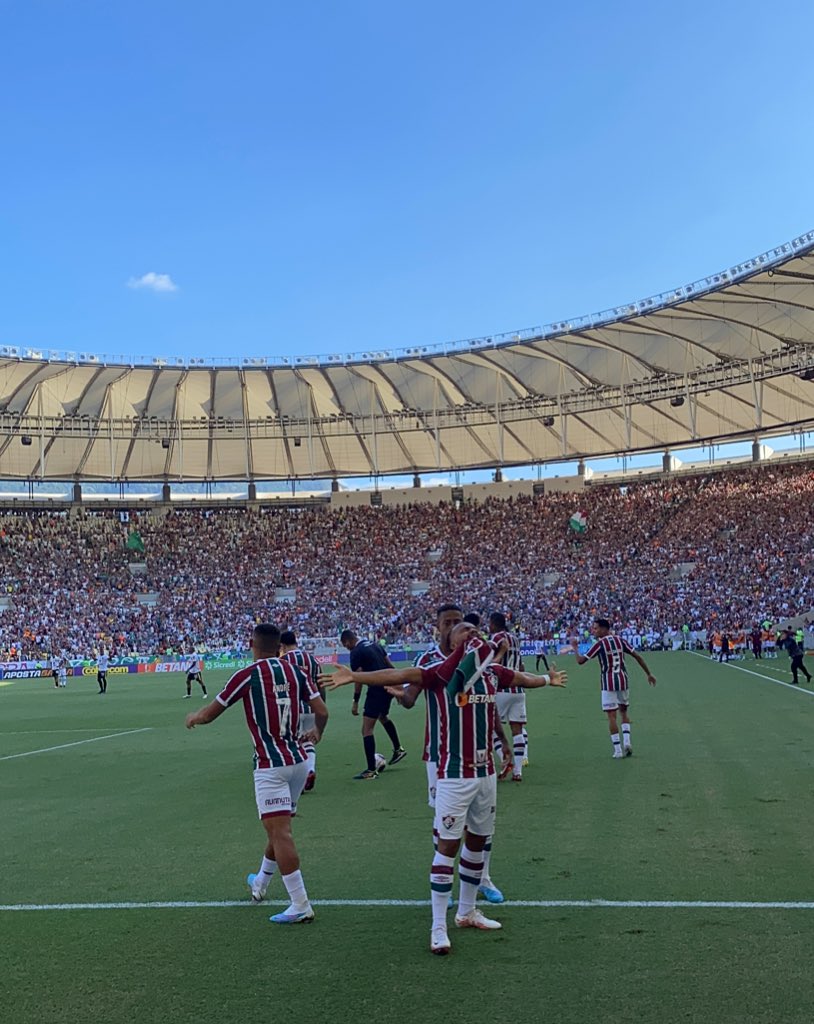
[{"x": 730, "y": 549}]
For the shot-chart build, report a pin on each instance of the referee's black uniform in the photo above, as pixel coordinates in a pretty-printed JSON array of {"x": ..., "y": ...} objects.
[
  {"x": 796, "y": 652},
  {"x": 367, "y": 656}
]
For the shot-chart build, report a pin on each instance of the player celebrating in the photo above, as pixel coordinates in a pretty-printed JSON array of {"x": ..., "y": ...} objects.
[
  {"x": 466, "y": 792},
  {"x": 101, "y": 671},
  {"x": 309, "y": 666},
  {"x": 272, "y": 692},
  {"x": 511, "y": 703},
  {"x": 194, "y": 675},
  {"x": 611, "y": 649},
  {"x": 447, "y": 618},
  {"x": 365, "y": 656}
]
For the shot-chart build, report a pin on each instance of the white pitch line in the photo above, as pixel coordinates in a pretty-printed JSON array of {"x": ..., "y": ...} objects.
[
  {"x": 44, "y": 732},
  {"x": 75, "y": 743},
  {"x": 768, "y": 679},
  {"x": 535, "y": 904}
]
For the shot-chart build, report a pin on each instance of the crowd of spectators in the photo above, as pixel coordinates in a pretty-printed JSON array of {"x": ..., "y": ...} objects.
[{"x": 747, "y": 534}]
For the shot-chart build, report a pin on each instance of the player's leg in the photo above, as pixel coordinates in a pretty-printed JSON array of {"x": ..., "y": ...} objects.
[
  {"x": 610, "y": 706},
  {"x": 487, "y": 887},
  {"x": 794, "y": 666},
  {"x": 189, "y": 686},
  {"x": 199, "y": 677},
  {"x": 627, "y": 750},
  {"x": 452, "y": 797},
  {"x": 518, "y": 750},
  {"x": 480, "y": 824},
  {"x": 276, "y": 791},
  {"x": 306, "y": 725},
  {"x": 369, "y": 744},
  {"x": 399, "y": 753}
]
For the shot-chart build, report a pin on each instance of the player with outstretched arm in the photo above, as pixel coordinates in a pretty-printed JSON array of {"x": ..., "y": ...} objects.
[
  {"x": 466, "y": 793},
  {"x": 272, "y": 692}
]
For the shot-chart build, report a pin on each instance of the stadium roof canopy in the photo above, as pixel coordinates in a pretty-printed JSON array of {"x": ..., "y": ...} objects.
[{"x": 731, "y": 355}]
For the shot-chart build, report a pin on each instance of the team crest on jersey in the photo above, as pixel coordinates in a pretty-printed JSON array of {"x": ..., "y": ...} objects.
[
  {"x": 461, "y": 700},
  {"x": 448, "y": 821}
]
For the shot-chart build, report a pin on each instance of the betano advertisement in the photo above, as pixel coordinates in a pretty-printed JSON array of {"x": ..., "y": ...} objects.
[{"x": 135, "y": 664}]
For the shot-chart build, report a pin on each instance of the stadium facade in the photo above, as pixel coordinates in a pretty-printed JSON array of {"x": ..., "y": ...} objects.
[{"x": 727, "y": 357}]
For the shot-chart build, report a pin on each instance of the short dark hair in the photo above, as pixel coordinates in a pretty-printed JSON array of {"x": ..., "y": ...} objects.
[
  {"x": 346, "y": 636},
  {"x": 499, "y": 619},
  {"x": 267, "y": 635},
  {"x": 447, "y": 608},
  {"x": 288, "y": 638},
  {"x": 602, "y": 623},
  {"x": 472, "y": 618}
]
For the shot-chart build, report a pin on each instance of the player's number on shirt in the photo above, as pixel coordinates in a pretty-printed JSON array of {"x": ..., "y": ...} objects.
[
  {"x": 284, "y": 712},
  {"x": 616, "y": 662}
]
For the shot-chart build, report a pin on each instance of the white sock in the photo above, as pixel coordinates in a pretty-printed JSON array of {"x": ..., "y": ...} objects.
[
  {"x": 525, "y": 743},
  {"x": 616, "y": 740},
  {"x": 470, "y": 872},
  {"x": 264, "y": 873},
  {"x": 626, "y": 733},
  {"x": 441, "y": 887},
  {"x": 519, "y": 753},
  {"x": 487, "y": 856},
  {"x": 296, "y": 891},
  {"x": 310, "y": 756}
]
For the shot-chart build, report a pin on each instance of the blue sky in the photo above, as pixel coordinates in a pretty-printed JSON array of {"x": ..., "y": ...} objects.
[{"x": 334, "y": 177}]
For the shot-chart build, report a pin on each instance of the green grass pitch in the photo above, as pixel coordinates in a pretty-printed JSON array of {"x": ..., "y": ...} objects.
[{"x": 715, "y": 805}]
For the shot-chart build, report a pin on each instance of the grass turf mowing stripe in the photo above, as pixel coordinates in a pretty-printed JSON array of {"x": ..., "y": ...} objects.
[
  {"x": 75, "y": 743},
  {"x": 536, "y": 904}
]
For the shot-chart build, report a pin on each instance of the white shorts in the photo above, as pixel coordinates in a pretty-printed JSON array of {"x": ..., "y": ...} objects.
[
  {"x": 277, "y": 790},
  {"x": 432, "y": 781},
  {"x": 612, "y": 700},
  {"x": 511, "y": 707},
  {"x": 466, "y": 803}
]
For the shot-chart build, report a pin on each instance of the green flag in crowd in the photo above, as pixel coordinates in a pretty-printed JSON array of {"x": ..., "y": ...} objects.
[{"x": 134, "y": 542}]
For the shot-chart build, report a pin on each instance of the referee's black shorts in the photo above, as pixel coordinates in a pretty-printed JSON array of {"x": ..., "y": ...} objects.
[{"x": 377, "y": 702}]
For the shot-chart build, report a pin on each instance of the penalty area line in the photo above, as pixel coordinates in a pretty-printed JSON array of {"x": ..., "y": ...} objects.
[
  {"x": 597, "y": 904},
  {"x": 76, "y": 743}
]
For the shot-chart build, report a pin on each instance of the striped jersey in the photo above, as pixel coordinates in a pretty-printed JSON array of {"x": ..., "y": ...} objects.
[
  {"x": 429, "y": 658},
  {"x": 193, "y": 663},
  {"x": 512, "y": 658},
  {"x": 309, "y": 666},
  {"x": 272, "y": 692},
  {"x": 461, "y": 710},
  {"x": 611, "y": 651}
]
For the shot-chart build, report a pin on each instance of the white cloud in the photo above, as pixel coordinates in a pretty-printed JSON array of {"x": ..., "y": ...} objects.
[{"x": 155, "y": 282}]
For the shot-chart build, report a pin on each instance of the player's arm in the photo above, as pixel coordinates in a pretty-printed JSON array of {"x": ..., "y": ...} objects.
[
  {"x": 405, "y": 695},
  {"x": 380, "y": 677},
  {"x": 650, "y": 677},
  {"x": 320, "y": 719},
  {"x": 355, "y": 664},
  {"x": 205, "y": 715},
  {"x": 581, "y": 660},
  {"x": 529, "y": 681}
]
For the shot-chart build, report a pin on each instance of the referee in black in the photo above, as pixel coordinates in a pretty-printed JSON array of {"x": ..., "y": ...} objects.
[
  {"x": 366, "y": 656},
  {"x": 795, "y": 652}
]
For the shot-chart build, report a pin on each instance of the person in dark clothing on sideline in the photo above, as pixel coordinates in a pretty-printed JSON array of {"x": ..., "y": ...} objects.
[{"x": 795, "y": 652}]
